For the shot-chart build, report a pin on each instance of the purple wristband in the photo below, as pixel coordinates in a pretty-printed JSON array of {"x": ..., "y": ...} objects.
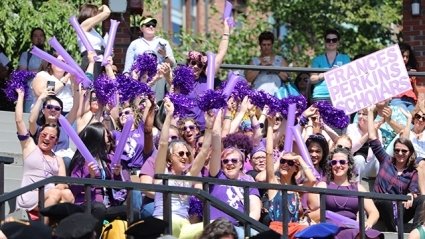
[{"x": 23, "y": 137}]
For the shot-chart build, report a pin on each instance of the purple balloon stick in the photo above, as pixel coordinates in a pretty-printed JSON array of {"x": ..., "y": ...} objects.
[
  {"x": 111, "y": 40},
  {"x": 123, "y": 140}
]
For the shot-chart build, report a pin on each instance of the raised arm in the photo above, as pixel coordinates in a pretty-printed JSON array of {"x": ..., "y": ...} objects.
[
  {"x": 72, "y": 115},
  {"x": 148, "y": 136},
  {"x": 406, "y": 130},
  {"x": 372, "y": 131},
  {"x": 161, "y": 157},
  {"x": 200, "y": 159},
  {"x": 215, "y": 161},
  {"x": 222, "y": 48},
  {"x": 35, "y": 111},
  {"x": 91, "y": 22},
  {"x": 27, "y": 144},
  {"x": 239, "y": 115},
  {"x": 270, "y": 175}
]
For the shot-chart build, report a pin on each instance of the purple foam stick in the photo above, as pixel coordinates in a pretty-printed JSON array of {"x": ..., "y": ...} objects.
[
  {"x": 80, "y": 33},
  {"x": 81, "y": 76},
  {"x": 111, "y": 40},
  {"x": 231, "y": 83},
  {"x": 340, "y": 220},
  {"x": 123, "y": 140},
  {"x": 210, "y": 70},
  {"x": 227, "y": 10},
  {"x": 289, "y": 123},
  {"x": 72, "y": 134},
  {"x": 53, "y": 60},
  {"x": 303, "y": 150}
]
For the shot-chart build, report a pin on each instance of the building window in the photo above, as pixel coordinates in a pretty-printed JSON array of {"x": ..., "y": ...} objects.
[{"x": 177, "y": 19}]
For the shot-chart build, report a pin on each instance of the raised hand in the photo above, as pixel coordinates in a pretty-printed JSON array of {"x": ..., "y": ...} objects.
[
  {"x": 93, "y": 169},
  {"x": 169, "y": 106}
]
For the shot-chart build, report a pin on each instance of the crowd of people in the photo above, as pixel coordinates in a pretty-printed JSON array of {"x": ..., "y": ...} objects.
[{"x": 240, "y": 140}]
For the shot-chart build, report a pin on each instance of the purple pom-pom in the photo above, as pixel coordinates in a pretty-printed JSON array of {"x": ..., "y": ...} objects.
[
  {"x": 261, "y": 98},
  {"x": 106, "y": 89},
  {"x": 129, "y": 88},
  {"x": 146, "y": 64},
  {"x": 211, "y": 100},
  {"x": 241, "y": 89},
  {"x": 182, "y": 104},
  {"x": 331, "y": 115},
  {"x": 195, "y": 206},
  {"x": 184, "y": 79},
  {"x": 300, "y": 101},
  {"x": 18, "y": 80}
]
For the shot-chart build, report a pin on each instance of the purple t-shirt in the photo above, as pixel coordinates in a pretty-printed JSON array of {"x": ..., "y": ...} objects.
[
  {"x": 148, "y": 167},
  {"x": 231, "y": 195},
  {"x": 132, "y": 156}
]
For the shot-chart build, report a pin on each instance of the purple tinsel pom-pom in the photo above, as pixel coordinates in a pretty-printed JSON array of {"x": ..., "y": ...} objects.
[
  {"x": 18, "y": 79},
  {"x": 261, "y": 98},
  {"x": 211, "y": 100},
  {"x": 146, "y": 64},
  {"x": 106, "y": 89},
  {"x": 332, "y": 116},
  {"x": 300, "y": 101},
  {"x": 241, "y": 89},
  {"x": 182, "y": 104},
  {"x": 184, "y": 79},
  {"x": 129, "y": 88},
  {"x": 195, "y": 206}
]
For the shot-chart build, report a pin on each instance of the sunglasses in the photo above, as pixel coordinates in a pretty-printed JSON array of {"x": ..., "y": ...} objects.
[
  {"x": 150, "y": 24},
  {"x": 403, "y": 151},
  {"x": 227, "y": 161},
  {"x": 331, "y": 40},
  {"x": 51, "y": 137},
  {"x": 341, "y": 162},
  {"x": 174, "y": 137},
  {"x": 289, "y": 162},
  {"x": 197, "y": 63},
  {"x": 93, "y": 99},
  {"x": 342, "y": 147},
  {"x": 279, "y": 118},
  {"x": 53, "y": 107},
  {"x": 190, "y": 127},
  {"x": 127, "y": 112},
  {"x": 182, "y": 153},
  {"x": 418, "y": 117}
]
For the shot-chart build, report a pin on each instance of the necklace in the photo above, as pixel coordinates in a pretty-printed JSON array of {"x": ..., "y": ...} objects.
[
  {"x": 50, "y": 171},
  {"x": 292, "y": 204},
  {"x": 336, "y": 201}
]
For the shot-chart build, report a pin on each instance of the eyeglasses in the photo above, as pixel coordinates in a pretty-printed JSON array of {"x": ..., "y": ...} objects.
[
  {"x": 331, "y": 40},
  {"x": 127, "y": 112},
  {"x": 341, "y": 162},
  {"x": 289, "y": 162},
  {"x": 342, "y": 147},
  {"x": 418, "y": 117},
  {"x": 53, "y": 107},
  {"x": 197, "y": 63},
  {"x": 150, "y": 24},
  {"x": 227, "y": 161},
  {"x": 182, "y": 153},
  {"x": 403, "y": 151},
  {"x": 190, "y": 127}
]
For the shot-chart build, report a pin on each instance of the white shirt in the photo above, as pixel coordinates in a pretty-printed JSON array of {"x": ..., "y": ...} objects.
[
  {"x": 95, "y": 39},
  {"x": 418, "y": 142}
]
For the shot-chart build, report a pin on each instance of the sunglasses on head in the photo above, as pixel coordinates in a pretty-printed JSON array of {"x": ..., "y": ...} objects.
[
  {"x": 289, "y": 162},
  {"x": 53, "y": 107},
  {"x": 150, "y": 24},
  {"x": 196, "y": 63},
  {"x": 418, "y": 117},
  {"x": 403, "y": 151},
  {"x": 227, "y": 161},
  {"x": 331, "y": 40},
  {"x": 182, "y": 153},
  {"x": 342, "y": 147},
  {"x": 341, "y": 162},
  {"x": 127, "y": 112},
  {"x": 190, "y": 127}
]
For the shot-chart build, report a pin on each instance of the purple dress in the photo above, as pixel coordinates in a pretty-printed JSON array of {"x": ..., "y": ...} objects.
[{"x": 347, "y": 207}]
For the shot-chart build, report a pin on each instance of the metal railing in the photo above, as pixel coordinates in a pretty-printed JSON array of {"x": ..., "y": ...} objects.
[{"x": 207, "y": 199}]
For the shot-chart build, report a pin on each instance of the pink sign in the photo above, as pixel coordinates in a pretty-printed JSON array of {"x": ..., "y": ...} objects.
[{"x": 368, "y": 80}]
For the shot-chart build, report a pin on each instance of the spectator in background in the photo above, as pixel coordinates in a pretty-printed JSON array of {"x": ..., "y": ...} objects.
[
  {"x": 302, "y": 82},
  {"x": 267, "y": 81},
  {"x": 5, "y": 69},
  {"x": 407, "y": 100},
  {"x": 89, "y": 17},
  {"x": 331, "y": 58},
  {"x": 30, "y": 62}
]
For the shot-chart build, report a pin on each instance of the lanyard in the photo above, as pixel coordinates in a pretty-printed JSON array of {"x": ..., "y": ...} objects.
[{"x": 333, "y": 63}]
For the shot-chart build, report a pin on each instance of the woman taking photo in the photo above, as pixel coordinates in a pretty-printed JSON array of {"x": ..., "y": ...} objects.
[{"x": 39, "y": 163}]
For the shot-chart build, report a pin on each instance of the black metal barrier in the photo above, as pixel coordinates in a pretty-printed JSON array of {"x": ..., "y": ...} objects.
[{"x": 208, "y": 200}]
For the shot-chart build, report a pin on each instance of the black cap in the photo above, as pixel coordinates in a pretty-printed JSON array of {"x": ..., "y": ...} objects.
[
  {"x": 25, "y": 230},
  {"x": 60, "y": 211},
  {"x": 149, "y": 228},
  {"x": 78, "y": 225},
  {"x": 318, "y": 231}
]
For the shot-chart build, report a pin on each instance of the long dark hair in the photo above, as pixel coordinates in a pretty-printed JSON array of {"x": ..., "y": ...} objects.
[
  {"x": 412, "y": 63},
  {"x": 350, "y": 161},
  {"x": 93, "y": 137},
  {"x": 321, "y": 140},
  {"x": 410, "y": 165},
  {"x": 41, "y": 120}
]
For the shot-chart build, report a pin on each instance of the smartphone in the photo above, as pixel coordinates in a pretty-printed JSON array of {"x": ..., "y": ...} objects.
[{"x": 50, "y": 85}]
